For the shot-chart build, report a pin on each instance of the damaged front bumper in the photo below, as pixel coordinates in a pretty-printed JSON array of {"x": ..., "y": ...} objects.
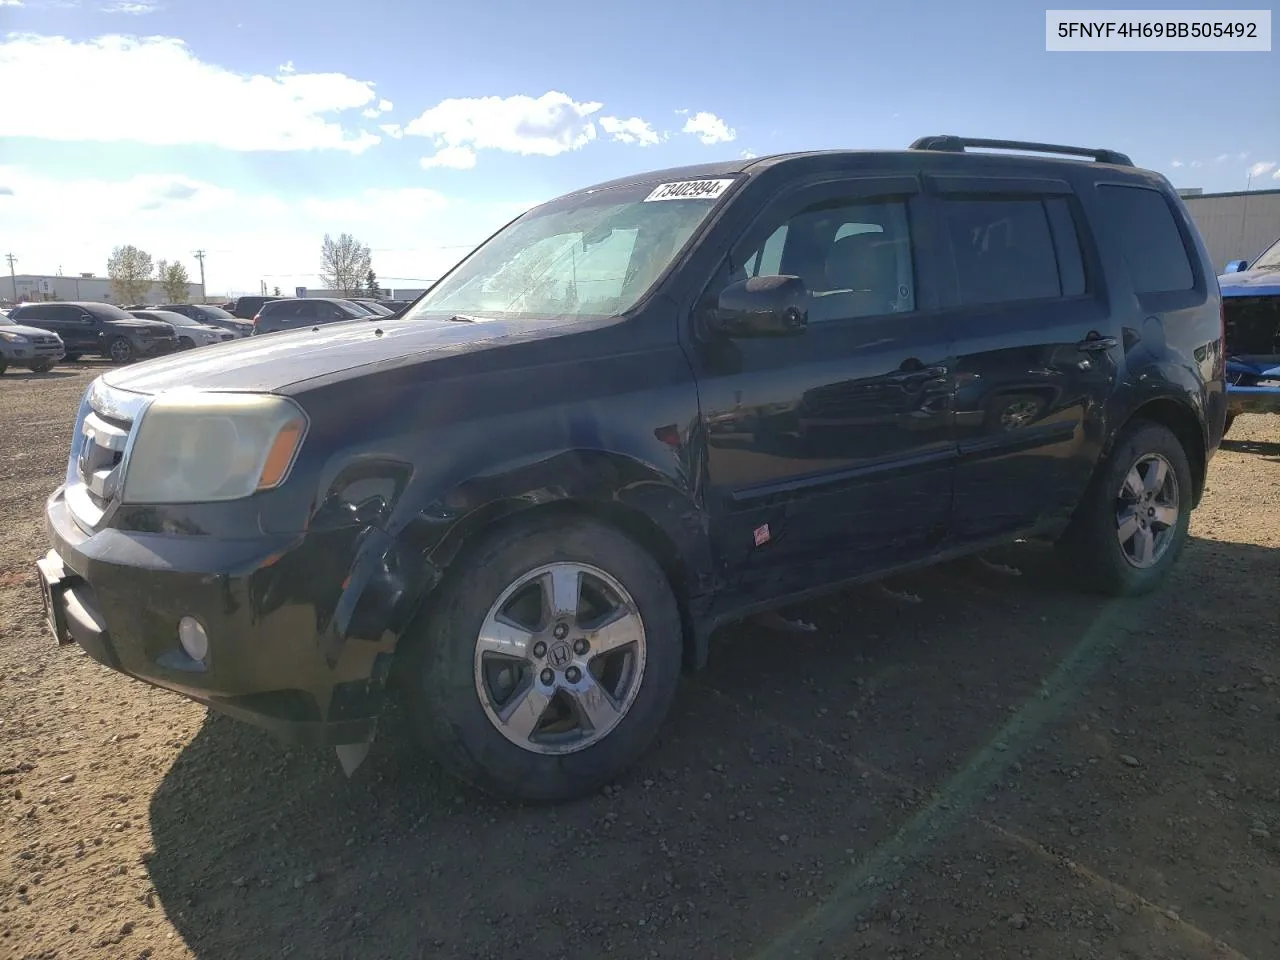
[{"x": 299, "y": 628}]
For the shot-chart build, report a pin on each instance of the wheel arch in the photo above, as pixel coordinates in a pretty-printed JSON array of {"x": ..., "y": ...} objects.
[{"x": 1182, "y": 422}]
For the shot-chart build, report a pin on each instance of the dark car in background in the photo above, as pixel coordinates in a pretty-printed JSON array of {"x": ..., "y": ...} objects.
[
  {"x": 509, "y": 505},
  {"x": 190, "y": 333},
  {"x": 1251, "y": 306},
  {"x": 373, "y": 306},
  {"x": 98, "y": 328},
  {"x": 307, "y": 312},
  {"x": 246, "y": 308},
  {"x": 210, "y": 316}
]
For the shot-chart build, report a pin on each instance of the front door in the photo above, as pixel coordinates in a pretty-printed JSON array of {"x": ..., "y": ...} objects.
[
  {"x": 829, "y": 454},
  {"x": 1035, "y": 351}
]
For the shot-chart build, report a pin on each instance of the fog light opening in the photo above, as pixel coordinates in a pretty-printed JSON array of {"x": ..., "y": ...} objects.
[{"x": 193, "y": 638}]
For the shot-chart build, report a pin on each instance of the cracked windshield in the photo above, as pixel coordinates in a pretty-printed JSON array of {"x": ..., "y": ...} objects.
[{"x": 567, "y": 482}]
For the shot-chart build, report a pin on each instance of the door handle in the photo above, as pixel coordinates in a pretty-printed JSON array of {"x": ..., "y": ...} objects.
[
  {"x": 1094, "y": 343},
  {"x": 916, "y": 374}
]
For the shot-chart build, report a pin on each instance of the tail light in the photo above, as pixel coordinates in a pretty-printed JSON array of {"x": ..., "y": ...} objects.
[{"x": 256, "y": 318}]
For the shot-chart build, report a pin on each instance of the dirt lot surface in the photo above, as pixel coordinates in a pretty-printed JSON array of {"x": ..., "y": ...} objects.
[{"x": 1005, "y": 769}]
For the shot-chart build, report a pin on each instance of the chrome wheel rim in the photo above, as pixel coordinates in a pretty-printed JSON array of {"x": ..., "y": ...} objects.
[
  {"x": 120, "y": 350},
  {"x": 1147, "y": 511},
  {"x": 560, "y": 658}
]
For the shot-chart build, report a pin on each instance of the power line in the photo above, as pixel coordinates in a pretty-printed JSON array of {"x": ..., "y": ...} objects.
[{"x": 12, "y": 276}]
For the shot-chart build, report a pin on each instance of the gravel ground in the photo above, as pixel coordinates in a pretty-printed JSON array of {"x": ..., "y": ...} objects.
[{"x": 1003, "y": 769}]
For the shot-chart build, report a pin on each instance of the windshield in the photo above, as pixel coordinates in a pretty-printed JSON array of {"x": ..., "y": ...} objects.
[
  {"x": 177, "y": 319},
  {"x": 6, "y": 322},
  {"x": 217, "y": 313},
  {"x": 592, "y": 254},
  {"x": 109, "y": 312},
  {"x": 1270, "y": 259}
]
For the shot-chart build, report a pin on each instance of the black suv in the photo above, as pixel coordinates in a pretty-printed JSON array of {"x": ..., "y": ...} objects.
[
  {"x": 305, "y": 313},
  {"x": 99, "y": 328},
  {"x": 635, "y": 413},
  {"x": 246, "y": 308}
]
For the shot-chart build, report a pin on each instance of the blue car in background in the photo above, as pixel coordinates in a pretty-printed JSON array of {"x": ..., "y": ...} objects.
[{"x": 1251, "y": 306}]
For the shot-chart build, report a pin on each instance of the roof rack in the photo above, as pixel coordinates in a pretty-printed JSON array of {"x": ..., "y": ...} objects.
[{"x": 954, "y": 144}]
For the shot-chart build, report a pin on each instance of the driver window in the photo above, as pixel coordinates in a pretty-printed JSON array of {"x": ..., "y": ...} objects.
[{"x": 854, "y": 255}]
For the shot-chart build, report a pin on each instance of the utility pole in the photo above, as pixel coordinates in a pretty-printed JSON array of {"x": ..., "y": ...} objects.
[
  {"x": 12, "y": 260},
  {"x": 204, "y": 293}
]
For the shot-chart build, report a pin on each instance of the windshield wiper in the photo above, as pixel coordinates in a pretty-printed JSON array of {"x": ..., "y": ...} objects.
[{"x": 463, "y": 318}]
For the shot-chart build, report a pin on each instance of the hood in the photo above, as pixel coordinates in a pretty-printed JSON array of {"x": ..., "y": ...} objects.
[
  {"x": 1251, "y": 283},
  {"x": 27, "y": 331},
  {"x": 276, "y": 360},
  {"x": 137, "y": 324}
]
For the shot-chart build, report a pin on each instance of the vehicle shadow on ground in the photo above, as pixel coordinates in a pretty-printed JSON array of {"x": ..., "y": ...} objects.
[
  {"x": 790, "y": 762},
  {"x": 1256, "y": 447},
  {"x": 16, "y": 374}
]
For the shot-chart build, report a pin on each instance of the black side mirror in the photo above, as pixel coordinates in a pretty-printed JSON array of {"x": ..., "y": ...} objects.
[{"x": 774, "y": 306}]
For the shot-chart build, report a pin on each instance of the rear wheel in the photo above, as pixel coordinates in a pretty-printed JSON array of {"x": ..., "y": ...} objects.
[
  {"x": 547, "y": 662},
  {"x": 120, "y": 350},
  {"x": 43, "y": 366},
  {"x": 1132, "y": 522}
]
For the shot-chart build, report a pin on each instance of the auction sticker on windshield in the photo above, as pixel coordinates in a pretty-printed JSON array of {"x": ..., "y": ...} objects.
[{"x": 689, "y": 190}]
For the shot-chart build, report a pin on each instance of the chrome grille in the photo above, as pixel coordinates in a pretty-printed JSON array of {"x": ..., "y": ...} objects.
[{"x": 100, "y": 449}]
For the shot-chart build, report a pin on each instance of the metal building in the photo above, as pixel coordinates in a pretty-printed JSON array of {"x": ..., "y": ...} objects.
[
  {"x": 82, "y": 286},
  {"x": 1235, "y": 226}
]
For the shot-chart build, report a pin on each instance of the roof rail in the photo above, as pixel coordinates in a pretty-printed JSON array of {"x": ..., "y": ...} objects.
[{"x": 954, "y": 144}]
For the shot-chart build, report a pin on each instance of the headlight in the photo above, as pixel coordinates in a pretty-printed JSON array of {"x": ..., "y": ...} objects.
[
  {"x": 13, "y": 337},
  {"x": 199, "y": 447}
]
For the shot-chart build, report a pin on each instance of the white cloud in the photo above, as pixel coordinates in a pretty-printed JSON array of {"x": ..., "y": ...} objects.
[
  {"x": 382, "y": 107},
  {"x": 747, "y": 155},
  {"x": 1176, "y": 164},
  {"x": 1261, "y": 167},
  {"x": 1243, "y": 155},
  {"x": 392, "y": 130},
  {"x": 1276, "y": 175},
  {"x": 633, "y": 130},
  {"x": 452, "y": 158},
  {"x": 10, "y": 3},
  {"x": 547, "y": 126},
  {"x": 134, "y": 8},
  {"x": 414, "y": 232},
  {"x": 1196, "y": 163},
  {"x": 1222, "y": 156},
  {"x": 709, "y": 128},
  {"x": 89, "y": 91}
]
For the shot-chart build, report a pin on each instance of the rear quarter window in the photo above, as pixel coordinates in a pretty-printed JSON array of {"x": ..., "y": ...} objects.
[{"x": 1143, "y": 225}]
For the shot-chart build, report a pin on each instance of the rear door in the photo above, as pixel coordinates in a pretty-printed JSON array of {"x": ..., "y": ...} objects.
[
  {"x": 829, "y": 454},
  {"x": 77, "y": 327},
  {"x": 1036, "y": 349}
]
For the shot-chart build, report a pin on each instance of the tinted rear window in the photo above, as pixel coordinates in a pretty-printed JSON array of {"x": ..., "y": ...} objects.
[
  {"x": 1143, "y": 225},
  {"x": 1004, "y": 250}
]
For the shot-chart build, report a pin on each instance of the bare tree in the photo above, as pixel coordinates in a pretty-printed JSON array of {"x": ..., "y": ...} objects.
[
  {"x": 174, "y": 279},
  {"x": 344, "y": 263},
  {"x": 130, "y": 271}
]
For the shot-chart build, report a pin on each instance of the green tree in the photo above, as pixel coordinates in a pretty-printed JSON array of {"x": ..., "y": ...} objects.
[
  {"x": 174, "y": 280},
  {"x": 371, "y": 284},
  {"x": 130, "y": 271},
  {"x": 344, "y": 263},
  {"x": 275, "y": 291}
]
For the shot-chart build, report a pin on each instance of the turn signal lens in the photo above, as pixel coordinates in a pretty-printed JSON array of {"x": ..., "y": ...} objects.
[{"x": 280, "y": 457}]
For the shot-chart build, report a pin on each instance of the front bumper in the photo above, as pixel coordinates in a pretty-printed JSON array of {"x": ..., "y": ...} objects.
[
  {"x": 296, "y": 626},
  {"x": 154, "y": 348},
  {"x": 21, "y": 354}
]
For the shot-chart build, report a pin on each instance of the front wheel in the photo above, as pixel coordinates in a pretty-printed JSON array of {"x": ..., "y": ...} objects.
[
  {"x": 1132, "y": 522},
  {"x": 548, "y": 661},
  {"x": 185, "y": 343},
  {"x": 43, "y": 366}
]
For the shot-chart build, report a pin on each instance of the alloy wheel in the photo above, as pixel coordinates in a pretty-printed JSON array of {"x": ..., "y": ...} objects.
[{"x": 1147, "y": 511}]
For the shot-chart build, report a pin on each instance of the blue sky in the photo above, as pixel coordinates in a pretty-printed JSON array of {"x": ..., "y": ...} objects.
[{"x": 250, "y": 129}]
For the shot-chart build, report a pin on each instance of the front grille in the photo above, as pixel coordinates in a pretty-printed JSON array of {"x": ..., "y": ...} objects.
[
  {"x": 45, "y": 341},
  {"x": 1253, "y": 326},
  {"x": 99, "y": 450}
]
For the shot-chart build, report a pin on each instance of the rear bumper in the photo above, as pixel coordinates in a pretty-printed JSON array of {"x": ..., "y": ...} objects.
[{"x": 281, "y": 615}]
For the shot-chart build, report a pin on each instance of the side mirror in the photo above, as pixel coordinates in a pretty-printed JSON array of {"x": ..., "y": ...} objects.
[
  {"x": 773, "y": 306},
  {"x": 1237, "y": 266}
]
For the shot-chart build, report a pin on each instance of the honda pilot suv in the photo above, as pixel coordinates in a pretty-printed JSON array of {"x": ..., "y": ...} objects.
[{"x": 635, "y": 413}]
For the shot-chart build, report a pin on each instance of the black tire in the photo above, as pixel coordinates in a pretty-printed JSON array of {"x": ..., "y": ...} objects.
[
  {"x": 186, "y": 343},
  {"x": 4, "y": 365},
  {"x": 1226, "y": 427},
  {"x": 70, "y": 357},
  {"x": 44, "y": 366},
  {"x": 437, "y": 672},
  {"x": 1090, "y": 549},
  {"x": 119, "y": 350}
]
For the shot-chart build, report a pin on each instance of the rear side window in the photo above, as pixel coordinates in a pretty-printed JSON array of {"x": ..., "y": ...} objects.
[
  {"x": 1014, "y": 249},
  {"x": 1143, "y": 225}
]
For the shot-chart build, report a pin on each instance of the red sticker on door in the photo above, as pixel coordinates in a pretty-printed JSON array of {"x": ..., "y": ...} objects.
[{"x": 762, "y": 535}]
